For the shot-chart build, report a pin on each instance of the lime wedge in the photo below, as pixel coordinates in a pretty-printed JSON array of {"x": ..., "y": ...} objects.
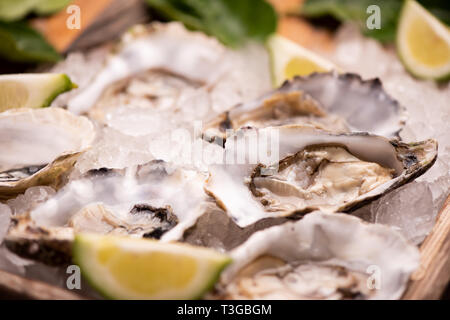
[
  {"x": 288, "y": 59},
  {"x": 30, "y": 90},
  {"x": 423, "y": 43},
  {"x": 130, "y": 268}
]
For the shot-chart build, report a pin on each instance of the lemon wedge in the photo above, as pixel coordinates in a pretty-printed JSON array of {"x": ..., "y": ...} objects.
[
  {"x": 130, "y": 268},
  {"x": 32, "y": 90},
  {"x": 423, "y": 43},
  {"x": 289, "y": 59}
]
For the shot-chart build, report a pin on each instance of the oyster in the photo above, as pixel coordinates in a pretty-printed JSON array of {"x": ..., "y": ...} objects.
[
  {"x": 322, "y": 256},
  {"x": 142, "y": 220},
  {"x": 39, "y": 146},
  {"x": 329, "y": 101},
  {"x": 215, "y": 229},
  {"x": 52, "y": 246},
  {"x": 293, "y": 170},
  {"x": 164, "y": 57},
  {"x": 156, "y": 200}
]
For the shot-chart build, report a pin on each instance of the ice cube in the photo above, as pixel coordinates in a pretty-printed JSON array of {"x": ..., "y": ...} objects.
[
  {"x": 408, "y": 208},
  {"x": 30, "y": 199}
]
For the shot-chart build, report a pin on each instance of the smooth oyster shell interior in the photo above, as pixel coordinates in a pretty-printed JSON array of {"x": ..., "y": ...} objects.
[
  {"x": 156, "y": 90},
  {"x": 156, "y": 200},
  {"x": 363, "y": 104},
  {"x": 322, "y": 256},
  {"x": 39, "y": 146},
  {"x": 162, "y": 48},
  {"x": 327, "y": 101},
  {"x": 142, "y": 220},
  {"x": 298, "y": 169}
]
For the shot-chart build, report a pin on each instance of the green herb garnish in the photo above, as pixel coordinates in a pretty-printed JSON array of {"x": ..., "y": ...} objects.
[
  {"x": 13, "y": 10},
  {"x": 233, "y": 22},
  {"x": 356, "y": 10},
  {"x": 20, "y": 43}
]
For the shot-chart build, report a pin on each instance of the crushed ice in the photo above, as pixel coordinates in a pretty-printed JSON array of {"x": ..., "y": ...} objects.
[{"x": 131, "y": 139}]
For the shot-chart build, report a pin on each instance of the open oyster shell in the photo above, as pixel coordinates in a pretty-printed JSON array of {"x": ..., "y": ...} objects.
[
  {"x": 328, "y": 101},
  {"x": 52, "y": 245},
  {"x": 142, "y": 220},
  {"x": 39, "y": 146},
  {"x": 322, "y": 256},
  {"x": 293, "y": 170},
  {"x": 156, "y": 200},
  {"x": 185, "y": 58}
]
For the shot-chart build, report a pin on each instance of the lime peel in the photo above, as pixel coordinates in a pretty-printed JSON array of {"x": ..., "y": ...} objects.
[
  {"x": 32, "y": 90},
  {"x": 289, "y": 59},
  {"x": 423, "y": 43},
  {"x": 130, "y": 268}
]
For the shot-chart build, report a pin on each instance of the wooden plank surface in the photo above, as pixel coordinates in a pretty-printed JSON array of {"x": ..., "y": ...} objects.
[
  {"x": 16, "y": 287},
  {"x": 111, "y": 23},
  {"x": 101, "y": 21},
  {"x": 55, "y": 30},
  {"x": 433, "y": 275}
]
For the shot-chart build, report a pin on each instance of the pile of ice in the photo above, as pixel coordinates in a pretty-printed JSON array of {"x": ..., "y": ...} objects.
[
  {"x": 133, "y": 138},
  {"x": 411, "y": 208},
  {"x": 136, "y": 134}
]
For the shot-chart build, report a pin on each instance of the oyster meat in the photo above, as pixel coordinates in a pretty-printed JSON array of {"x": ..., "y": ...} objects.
[
  {"x": 152, "y": 90},
  {"x": 156, "y": 200},
  {"x": 363, "y": 104},
  {"x": 166, "y": 49},
  {"x": 329, "y": 101},
  {"x": 316, "y": 148},
  {"x": 161, "y": 77},
  {"x": 292, "y": 170},
  {"x": 39, "y": 146},
  {"x": 322, "y": 256},
  {"x": 142, "y": 220}
]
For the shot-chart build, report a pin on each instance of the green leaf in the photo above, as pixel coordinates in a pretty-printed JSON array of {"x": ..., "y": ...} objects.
[
  {"x": 356, "y": 10},
  {"x": 231, "y": 21},
  {"x": 20, "y": 43},
  {"x": 45, "y": 7},
  {"x": 13, "y": 10}
]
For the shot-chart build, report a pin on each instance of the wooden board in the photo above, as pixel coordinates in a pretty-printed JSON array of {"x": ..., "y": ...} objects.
[
  {"x": 433, "y": 275},
  {"x": 101, "y": 21},
  {"x": 16, "y": 287}
]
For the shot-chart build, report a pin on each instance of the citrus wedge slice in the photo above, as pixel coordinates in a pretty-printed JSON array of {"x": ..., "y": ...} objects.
[
  {"x": 288, "y": 59},
  {"x": 32, "y": 90},
  {"x": 423, "y": 43},
  {"x": 130, "y": 268}
]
